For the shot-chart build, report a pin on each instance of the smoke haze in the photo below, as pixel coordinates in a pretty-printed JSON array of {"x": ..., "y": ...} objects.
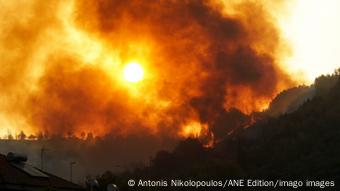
[
  {"x": 63, "y": 61},
  {"x": 207, "y": 66}
]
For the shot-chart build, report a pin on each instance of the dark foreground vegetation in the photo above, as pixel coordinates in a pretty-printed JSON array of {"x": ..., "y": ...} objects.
[{"x": 302, "y": 144}]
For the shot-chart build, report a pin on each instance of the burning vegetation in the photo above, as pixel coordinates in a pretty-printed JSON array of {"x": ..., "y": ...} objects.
[{"x": 67, "y": 67}]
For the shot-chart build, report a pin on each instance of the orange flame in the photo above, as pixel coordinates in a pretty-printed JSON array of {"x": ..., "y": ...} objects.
[{"x": 193, "y": 129}]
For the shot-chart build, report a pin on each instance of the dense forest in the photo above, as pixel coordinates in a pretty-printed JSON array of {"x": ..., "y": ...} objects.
[{"x": 299, "y": 142}]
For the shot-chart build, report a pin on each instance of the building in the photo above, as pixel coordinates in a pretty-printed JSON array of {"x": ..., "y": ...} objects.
[{"x": 17, "y": 175}]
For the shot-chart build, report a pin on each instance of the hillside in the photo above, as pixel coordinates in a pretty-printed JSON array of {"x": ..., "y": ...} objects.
[{"x": 303, "y": 144}]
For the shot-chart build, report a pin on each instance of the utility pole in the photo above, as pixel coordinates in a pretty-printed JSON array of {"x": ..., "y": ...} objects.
[
  {"x": 42, "y": 158},
  {"x": 71, "y": 165}
]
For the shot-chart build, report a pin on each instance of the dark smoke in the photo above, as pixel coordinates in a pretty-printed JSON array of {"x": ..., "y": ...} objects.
[
  {"x": 205, "y": 60},
  {"x": 208, "y": 62}
]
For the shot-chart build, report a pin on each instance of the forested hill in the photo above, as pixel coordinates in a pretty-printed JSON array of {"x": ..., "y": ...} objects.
[{"x": 303, "y": 144}]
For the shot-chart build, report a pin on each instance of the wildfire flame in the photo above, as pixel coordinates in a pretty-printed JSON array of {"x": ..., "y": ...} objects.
[{"x": 193, "y": 129}]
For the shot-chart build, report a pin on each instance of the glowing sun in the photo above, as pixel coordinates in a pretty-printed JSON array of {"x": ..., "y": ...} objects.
[{"x": 133, "y": 72}]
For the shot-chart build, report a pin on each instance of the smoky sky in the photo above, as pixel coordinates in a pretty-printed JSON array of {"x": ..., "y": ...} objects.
[
  {"x": 204, "y": 58},
  {"x": 204, "y": 61}
]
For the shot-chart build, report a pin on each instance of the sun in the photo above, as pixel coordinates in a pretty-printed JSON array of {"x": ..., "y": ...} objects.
[{"x": 133, "y": 72}]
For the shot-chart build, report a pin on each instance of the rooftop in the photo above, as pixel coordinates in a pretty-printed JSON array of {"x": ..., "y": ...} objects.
[{"x": 20, "y": 175}]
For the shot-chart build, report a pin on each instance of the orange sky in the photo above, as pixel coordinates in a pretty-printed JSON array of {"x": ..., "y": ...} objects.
[{"x": 63, "y": 62}]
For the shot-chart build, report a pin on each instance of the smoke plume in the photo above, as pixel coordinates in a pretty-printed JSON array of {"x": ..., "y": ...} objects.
[{"x": 63, "y": 62}]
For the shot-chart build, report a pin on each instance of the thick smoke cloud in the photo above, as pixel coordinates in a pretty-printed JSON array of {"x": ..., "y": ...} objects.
[
  {"x": 24, "y": 28},
  {"x": 205, "y": 62},
  {"x": 201, "y": 59},
  {"x": 225, "y": 60}
]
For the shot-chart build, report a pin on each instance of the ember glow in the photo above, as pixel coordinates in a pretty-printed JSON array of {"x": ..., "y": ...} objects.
[
  {"x": 122, "y": 67},
  {"x": 193, "y": 129}
]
